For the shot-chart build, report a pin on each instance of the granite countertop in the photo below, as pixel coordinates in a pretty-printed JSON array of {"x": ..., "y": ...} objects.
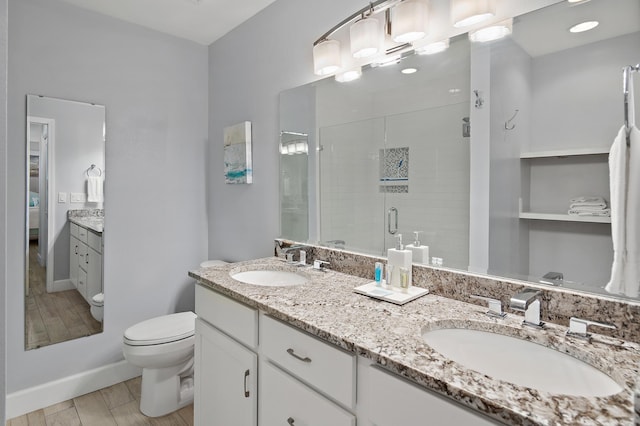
[
  {"x": 95, "y": 224},
  {"x": 391, "y": 335},
  {"x": 92, "y": 219}
]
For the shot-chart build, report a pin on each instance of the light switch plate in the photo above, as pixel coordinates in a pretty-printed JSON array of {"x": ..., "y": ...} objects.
[
  {"x": 78, "y": 197},
  {"x": 62, "y": 197}
]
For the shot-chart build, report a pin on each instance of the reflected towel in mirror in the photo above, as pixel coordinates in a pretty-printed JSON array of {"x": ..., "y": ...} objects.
[{"x": 94, "y": 189}]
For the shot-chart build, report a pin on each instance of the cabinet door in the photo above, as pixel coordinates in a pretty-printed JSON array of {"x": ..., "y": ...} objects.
[
  {"x": 225, "y": 380},
  {"x": 392, "y": 401},
  {"x": 73, "y": 260},
  {"x": 286, "y": 401},
  {"x": 93, "y": 260}
]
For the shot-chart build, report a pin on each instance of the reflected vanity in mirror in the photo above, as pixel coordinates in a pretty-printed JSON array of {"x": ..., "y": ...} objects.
[
  {"x": 484, "y": 148},
  {"x": 65, "y": 220}
]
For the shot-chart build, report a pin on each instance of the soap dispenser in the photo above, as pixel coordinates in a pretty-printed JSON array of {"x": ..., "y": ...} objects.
[
  {"x": 398, "y": 258},
  {"x": 420, "y": 252}
]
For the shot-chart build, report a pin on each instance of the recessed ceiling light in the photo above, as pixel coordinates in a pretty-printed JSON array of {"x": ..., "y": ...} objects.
[
  {"x": 409, "y": 70},
  {"x": 583, "y": 26}
]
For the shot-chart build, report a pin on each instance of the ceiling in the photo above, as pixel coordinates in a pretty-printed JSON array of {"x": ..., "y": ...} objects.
[{"x": 202, "y": 21}]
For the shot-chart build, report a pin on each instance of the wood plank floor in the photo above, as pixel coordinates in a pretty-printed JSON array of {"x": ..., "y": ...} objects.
[
  {"x": 54, "y": 317},
  {"x": 117, "y": 405}
]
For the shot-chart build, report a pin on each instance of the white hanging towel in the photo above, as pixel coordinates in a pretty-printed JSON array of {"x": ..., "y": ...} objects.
[
  {"x": 624, "y": 182},
  {"x": 94, "y": 189}
]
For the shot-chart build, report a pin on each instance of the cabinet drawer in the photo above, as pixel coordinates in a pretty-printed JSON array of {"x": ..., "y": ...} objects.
[
  {"x": 73, "y": 229},
  {"x": 325, "y": 367},
  {"x": 411, "y": 402},
  {"x": 234, "y": 318},
  {"x": 95, "y": 241},
  {"x": 285, "y": 401},
  {"x": 82, "y": 283},
  {"x": 82, "y": 256},
  {"x": 82, "y": 234}
]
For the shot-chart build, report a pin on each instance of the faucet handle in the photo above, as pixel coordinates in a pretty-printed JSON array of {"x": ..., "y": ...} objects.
[
  {"x": 495, "y": 306},
  {"x": 578, "y": 327},
  {"x": 319, "y": 264}
]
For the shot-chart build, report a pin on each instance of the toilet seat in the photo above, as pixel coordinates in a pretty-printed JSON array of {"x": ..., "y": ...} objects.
[{"x": 160, "y": 330}]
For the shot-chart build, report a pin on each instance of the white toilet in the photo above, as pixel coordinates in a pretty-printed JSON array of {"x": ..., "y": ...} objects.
[
  {"x": 163, "y": 347},
  {"x": 97, "y": 307}
]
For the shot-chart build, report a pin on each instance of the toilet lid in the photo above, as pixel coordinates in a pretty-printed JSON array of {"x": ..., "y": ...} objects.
[
  {"x": 98, "y": 299},
  {"x": 164, "y": 329}
]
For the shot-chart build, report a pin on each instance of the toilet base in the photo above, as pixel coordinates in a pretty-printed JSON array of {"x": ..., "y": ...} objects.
[{"x": 165, "y": 390}]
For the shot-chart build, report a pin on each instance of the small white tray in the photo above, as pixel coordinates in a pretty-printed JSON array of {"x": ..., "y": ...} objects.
[{"x": 388, "y": 295}]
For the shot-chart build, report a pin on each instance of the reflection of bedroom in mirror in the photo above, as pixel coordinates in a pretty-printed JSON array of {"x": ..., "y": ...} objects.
[{"x": 65, "y": 175}]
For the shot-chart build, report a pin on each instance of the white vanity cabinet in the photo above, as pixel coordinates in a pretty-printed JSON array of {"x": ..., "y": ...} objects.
[
  {"x": 225, "y": 364},
  {"x": 302, "y": 380},
  {"x": 389, "y": 400},
  {"x": 225, "y": 380},
  {"x": 85, "y": 261}
]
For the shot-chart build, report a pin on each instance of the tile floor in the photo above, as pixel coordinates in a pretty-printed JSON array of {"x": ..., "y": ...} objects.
[
  {"x": 54, "y": 317},
  {"x": 117, "y": 405}
]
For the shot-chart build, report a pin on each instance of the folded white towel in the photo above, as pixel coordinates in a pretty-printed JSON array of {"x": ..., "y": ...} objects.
[
  {"x": 94, "y": 189},
  {"x": 591, "y": 202},
  {"x": 587, "y": 199},
  {"x": 599, "y": 212},
  {"x": 588, "y": 208}
]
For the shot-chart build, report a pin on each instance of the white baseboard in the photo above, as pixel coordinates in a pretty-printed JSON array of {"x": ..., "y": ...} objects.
[
  {"x": 62, "y": 285},
  {"x": 46, "y": 394}
]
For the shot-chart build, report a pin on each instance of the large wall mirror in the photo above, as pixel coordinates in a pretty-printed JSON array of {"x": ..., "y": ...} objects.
[
  {"x": 64, "y": 220},
  {"x": 483, "y": 148}
]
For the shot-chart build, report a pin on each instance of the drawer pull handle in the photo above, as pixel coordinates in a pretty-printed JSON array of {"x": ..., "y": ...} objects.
[
  {"x": 293, "y": 354},
  {"x": 87, "y": 259},
  {"x": 246, "y": 392},
  {"x": 291, "y": 421}
]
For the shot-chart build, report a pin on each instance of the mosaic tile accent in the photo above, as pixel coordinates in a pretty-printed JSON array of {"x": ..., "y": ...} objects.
[
  {"x": 394, "y": 164},
  {"x": 88, "y": 218}
]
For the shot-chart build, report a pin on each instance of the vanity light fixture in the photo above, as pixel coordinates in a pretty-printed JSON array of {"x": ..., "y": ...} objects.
[
  {"x": 433, "y": 48},
  {"x": 409, "y": 21},
  {"x": 492, "y": 32},
  {"x": 470, "y": 12},
  {"x": 370, "y": 35},
  {"x": 584, "y": 26},
  {"x": 349, "y": 75},
  {"x": 409, "y": 70},
  {"x": 364, "y": 37},
  {"x": 326, "y": 57}
]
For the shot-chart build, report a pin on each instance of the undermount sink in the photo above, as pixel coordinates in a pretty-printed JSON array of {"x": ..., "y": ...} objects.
[
  {"x": 270, "y": 277},
  {"x": 521, "y": 362}
]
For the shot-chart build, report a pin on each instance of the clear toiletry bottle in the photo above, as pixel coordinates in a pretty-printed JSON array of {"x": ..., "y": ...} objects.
[
  {"x": 404, "y": 280},
  {"x": 420, "y": 252}
]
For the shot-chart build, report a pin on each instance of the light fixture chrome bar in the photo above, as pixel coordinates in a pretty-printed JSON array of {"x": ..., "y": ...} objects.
[
  {"x": 373, "y": 7},
  {"x": 626, "y": 75}
]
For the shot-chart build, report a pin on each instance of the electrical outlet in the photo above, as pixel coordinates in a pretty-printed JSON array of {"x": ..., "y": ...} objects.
[
  {"x": 78, "y": 197},
  {"x": 62, "y": 197}
]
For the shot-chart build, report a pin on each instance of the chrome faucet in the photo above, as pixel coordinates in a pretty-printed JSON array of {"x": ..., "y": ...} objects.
[
  {"x": 289, "y": 256},
  {"x": 320, "y": 265},
  {"x": 578, "y": 328},
  {"x": 495, "y": 306},
  {"x": 527, "y": 301}
]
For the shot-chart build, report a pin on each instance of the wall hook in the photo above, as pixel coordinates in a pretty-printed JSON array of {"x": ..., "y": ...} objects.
[
  {"x": 479, "y": 99},
  {"x": 508, "y": 122}
]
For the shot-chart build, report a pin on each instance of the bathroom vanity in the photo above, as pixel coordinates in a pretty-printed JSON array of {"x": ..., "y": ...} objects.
[
  {"x": 316, "y": 353},
  {"x": 85, "y": 253}
]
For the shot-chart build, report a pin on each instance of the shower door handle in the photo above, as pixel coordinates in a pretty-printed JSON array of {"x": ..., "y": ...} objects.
[{"x": 395, "y": 227}]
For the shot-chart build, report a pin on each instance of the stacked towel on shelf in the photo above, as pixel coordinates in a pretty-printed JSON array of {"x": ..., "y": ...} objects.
[{"x": 589, "y": 206}]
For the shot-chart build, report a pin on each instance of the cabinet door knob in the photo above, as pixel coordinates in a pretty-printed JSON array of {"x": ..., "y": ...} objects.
[
  {"x": 296, "y": 356},
  {"x": 290, "y": 421},
  {"x": 246, "y": 392}
]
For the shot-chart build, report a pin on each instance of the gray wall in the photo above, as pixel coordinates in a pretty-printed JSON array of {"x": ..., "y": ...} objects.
[
  {"x": 248, "y": 68},
  {"x": 3, "y": 201},
  {"x": 154, "y": 88}
]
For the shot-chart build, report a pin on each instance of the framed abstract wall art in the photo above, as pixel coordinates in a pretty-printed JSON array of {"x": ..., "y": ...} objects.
[{"x": 237, "y": 153}]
